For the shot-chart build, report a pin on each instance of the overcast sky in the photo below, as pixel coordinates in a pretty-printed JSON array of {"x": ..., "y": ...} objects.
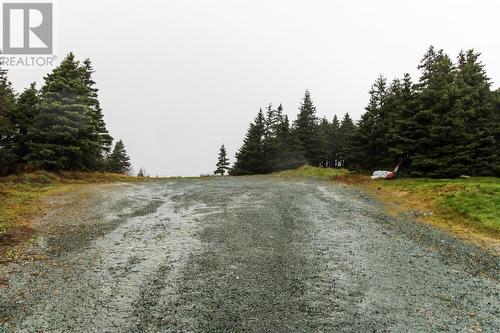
[{"x": 178, "y": 78}]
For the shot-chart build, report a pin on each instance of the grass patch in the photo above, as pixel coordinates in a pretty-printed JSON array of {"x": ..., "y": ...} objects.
[
  {"x": 308, "y": 171},
  {"x": 473, "y": 202},
  {"x": 21, "y": 197}
]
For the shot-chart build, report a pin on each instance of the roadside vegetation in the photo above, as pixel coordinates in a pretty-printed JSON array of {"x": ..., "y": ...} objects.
[
  {"x": 309, "y": 171},
  {"x": 472, "y": 203},
  {"x": 22, "y": 198},
  {"x": 57, "y": 127}
]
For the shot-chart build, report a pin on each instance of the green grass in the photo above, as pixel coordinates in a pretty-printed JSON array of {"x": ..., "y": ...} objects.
[
  {"x": 308, "y": 171},
  {"x": 475, "y": 201}
]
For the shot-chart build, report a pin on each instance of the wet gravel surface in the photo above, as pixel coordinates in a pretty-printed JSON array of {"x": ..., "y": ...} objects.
[{"x": 248, "y": 254}]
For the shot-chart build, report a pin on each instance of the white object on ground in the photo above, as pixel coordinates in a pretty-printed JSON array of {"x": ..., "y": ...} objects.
[{"x": 380, "y": 174}]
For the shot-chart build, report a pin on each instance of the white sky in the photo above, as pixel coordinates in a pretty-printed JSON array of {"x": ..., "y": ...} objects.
[{"x": 180, "y": 77}]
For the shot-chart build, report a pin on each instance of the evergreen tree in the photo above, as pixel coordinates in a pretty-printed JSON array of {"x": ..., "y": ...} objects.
[
  {"x": 141, "y": 173},
  {"x": 437, "y": 127},
  {"x": 287, "y": 151},
  {"x": 370, "y": 144},
  {"x": 346, "y": 134},
  {"x": 474, "y": 114},
  {"x": 222, "y": 162},
  {"x": 306, "y": 130},
  {"x": 251, "y": 157},
  {"x": 8, "y": 131},
  {"x": 118, "y": 161},
  {"x": 59, "y": 128},
  {"x": 401, "y": 132},
  {"x": 100, "y": 133},
  {"x": 62, "y": 137},
  {"x": 272, "y": 121},
  {"x": 27, "y": 111},
  {"x": 324, "y": 147}
]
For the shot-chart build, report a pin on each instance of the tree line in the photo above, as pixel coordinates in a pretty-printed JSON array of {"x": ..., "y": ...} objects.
[
  {"x": 58, "y": 127},
  {"x": 444, "y": 125}
]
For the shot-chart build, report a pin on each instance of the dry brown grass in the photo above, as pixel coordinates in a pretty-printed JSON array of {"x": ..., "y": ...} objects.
[{"x": 21, "y": 198}]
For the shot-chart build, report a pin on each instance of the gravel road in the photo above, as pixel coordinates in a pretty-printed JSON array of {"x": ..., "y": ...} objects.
[{"x": 247, "y": 254}]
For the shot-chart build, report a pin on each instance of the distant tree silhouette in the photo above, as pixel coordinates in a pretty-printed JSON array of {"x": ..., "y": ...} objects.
[
  {"x": 222, "y": 162},
  {"x": 118, "y": 161}
]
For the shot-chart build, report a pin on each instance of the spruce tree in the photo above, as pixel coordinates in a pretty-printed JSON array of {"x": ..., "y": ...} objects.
[
  {"x": 118, "y": 161},
  {"x": 438, "y": 129},
  {"x": 346, "y": 134},
  {"x": 369, "y": 141},
  {"x": 401, "y": 132},
  {"x": 287, "y": 151},
  {"x": 222, "y": 162},
  {"x": 8, "y": 131},
  {"x": 474, "y": 114},
  {"x": 381, "y": 121},
  {"x": 27, "y": 111},
  {"x": 324, "y": 146},
  {"x": 62, "y": 136},
  {"x": 141, "y": 173},
  {"x": 251, "y": 157},
  {"x": 100, "y": 133},
  {"x": 306, "y": 130},
  {"x": 272, "y": 120}
]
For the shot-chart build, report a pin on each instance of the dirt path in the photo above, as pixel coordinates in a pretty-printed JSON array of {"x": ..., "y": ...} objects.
[{"x": 254, "y": 254}]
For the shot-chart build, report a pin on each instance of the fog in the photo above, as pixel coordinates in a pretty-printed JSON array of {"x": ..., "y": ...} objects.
[{"x": 179, "y": 78}]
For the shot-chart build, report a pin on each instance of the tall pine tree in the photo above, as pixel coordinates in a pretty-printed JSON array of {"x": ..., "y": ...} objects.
[
  {"x": 346, "y": 134},
  {"x": 369, "y": 140},
  {"x": 100, "y": 133},
  {"x": 401, "y": 132},
  {"x": 287, "y": 152},
  {"x": 474, "y": 114},
  {"x": 63, "y": 135},
  {"x": 324, "y": 129},
  {"x": 251, "y": 157},
  {"x": 306, "y": 130},
  {"x": 438, "y": 129},
  {"x": 27, "y": 111}
]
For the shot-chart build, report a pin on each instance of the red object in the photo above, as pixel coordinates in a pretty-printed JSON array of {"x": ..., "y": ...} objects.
[{"x": 391, "y": 175}]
